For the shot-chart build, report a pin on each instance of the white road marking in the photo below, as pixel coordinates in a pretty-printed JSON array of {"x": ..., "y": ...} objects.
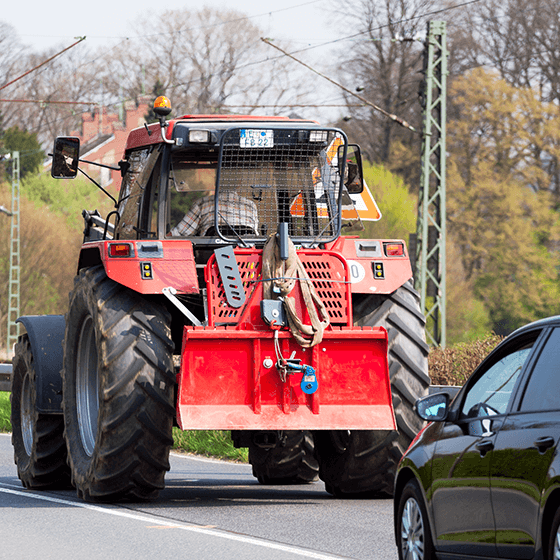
[{"x": 114, "y": 510}]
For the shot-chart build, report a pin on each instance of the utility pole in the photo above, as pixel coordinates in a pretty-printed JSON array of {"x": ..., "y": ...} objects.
[
  {"x": 430, "y": 262},
  {"x": 14, "y": 279}
]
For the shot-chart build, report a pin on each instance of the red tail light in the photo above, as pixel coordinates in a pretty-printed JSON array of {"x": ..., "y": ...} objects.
[
  {"x": 119, "y": 250},
  {"x": 394, "y": 249}
]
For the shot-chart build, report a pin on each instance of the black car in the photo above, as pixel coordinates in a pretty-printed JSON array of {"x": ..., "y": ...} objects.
[{"x": 482, "y": 479}]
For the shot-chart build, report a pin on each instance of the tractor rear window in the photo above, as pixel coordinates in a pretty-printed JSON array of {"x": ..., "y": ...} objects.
[
  {"x": 263, "y": 178},
  {"x": 291, "y": 176}
]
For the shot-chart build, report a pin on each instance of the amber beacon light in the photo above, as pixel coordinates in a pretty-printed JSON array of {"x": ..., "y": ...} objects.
[{"x": 162, "y": 106}]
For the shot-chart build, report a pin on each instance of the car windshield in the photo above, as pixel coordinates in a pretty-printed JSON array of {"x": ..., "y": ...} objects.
[{"x": 493, "y": 389}]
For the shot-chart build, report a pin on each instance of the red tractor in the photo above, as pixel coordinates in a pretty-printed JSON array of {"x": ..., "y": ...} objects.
[{"x": 219, "y": 294}]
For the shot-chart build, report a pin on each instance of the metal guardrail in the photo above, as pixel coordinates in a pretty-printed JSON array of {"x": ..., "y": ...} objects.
[{"x": 5, "y": 377}]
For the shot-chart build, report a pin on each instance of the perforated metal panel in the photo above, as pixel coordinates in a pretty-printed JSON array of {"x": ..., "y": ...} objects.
[
  {"x": 327, "y": 272},
  {"x": 329, "y": 279},
  {"x": 292, "y": 178},
  {"x": 221, "y": 313}
]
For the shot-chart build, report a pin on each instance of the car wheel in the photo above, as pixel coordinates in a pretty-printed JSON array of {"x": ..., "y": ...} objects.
[
  {"x": 414, "y": 540},
  {"x": 554, "y": 541}
]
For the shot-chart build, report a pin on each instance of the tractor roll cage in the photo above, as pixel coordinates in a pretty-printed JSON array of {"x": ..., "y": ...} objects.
[{"x": 293, "y": 177}]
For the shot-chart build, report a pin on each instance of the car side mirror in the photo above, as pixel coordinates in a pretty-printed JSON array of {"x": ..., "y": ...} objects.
[
  {"x": 353, "y": 171},
  {"x": 66, "y": 153},
  {"x": 433, "y": 408}
]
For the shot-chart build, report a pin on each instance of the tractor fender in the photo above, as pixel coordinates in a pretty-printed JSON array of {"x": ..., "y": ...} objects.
[{"x": 46, "y": 334}]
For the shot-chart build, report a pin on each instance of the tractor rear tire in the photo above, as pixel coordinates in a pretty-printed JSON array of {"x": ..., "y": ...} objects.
[
  {"x": 37, "y": 438},
  {"x": 291, "y": 462},
  {"x": 118, "y": 390},
  {"x": 364, "y": 462}
]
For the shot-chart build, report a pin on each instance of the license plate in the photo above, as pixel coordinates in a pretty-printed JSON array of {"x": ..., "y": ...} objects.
[{"x": 252, "y": 138}]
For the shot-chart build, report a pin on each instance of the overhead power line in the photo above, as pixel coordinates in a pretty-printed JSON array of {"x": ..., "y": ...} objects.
[
  {"x": 48, "y": 102},
  {"x": 42, "y": 63},
  {"x": 391, "y": 116}
]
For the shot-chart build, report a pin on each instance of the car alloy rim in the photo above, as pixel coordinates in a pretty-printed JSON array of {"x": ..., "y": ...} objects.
[
  {"x": 556, "y": 551},
  {"x": 87, "y": 386},
  {"x": 412, "y": 531}
]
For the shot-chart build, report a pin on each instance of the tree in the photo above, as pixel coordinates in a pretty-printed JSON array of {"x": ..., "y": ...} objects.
[
  {"x": 397, "y": 205},
  {"x": 30, "y": 152},
  {"x": 49, "y": 253},
  {"x": 385, "y": 61},
  {"x": 518, "y": 38},
  {"x": 69, "y": 78},
  {"x": 500, "y": 208},
  {"x": 467, "y": 316},
  {"x": 493, "y": 121},
  {"x": 503, "y": 229},
  {"x": 157, "y": 90},
  {"x": 66, "y": 198},
  {"x": 205, "y": 61}
]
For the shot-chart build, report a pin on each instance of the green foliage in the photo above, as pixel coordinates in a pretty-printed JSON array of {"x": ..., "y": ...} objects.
[
  {"x": 66, "y": 198},
  {"x": 48, "y": 256},
  {"x": 5, "y": 425},
  {"x": 500, "y": 211},
  {"x": 397, "y": 205},
  {"x": 499, "y": 225},
  {"x": 30, "y": 152},
  {"x": 467, "y": 317},
  {"x": 453, "y": 365},
  {"x": 209, "y": 443}
]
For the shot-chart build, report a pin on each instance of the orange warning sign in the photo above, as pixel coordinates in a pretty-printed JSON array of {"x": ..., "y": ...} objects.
[
  {"x": 365, "y": 205},
  {"x": 297, "y": 208}
]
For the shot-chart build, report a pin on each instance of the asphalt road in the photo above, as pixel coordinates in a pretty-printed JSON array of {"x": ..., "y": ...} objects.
[{"x": 209, "y": 510}]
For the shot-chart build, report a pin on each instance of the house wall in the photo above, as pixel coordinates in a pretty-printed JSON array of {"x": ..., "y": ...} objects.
[{"x": 104, "y": 140}]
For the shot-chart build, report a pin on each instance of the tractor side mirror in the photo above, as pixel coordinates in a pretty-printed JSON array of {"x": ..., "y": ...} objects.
[
  {"x": 353, "y": 173},
  {"x": 65, "y": 154}
]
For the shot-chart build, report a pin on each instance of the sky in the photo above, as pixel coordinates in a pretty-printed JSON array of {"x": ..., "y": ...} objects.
[
  {"x": 301, "y": 23},
  {"x": 57, "y": 22}
]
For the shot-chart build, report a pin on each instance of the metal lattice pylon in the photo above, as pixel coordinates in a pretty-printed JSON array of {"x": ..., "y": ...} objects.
[
  {"x": 430, "y": 234},
  {"x": 14, "y": 278}
]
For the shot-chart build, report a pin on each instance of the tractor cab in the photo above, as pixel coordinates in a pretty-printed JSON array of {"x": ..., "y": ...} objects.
[{"x": 231, "y": 180}]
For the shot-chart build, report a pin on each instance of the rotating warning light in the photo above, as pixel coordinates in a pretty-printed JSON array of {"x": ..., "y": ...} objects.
[{"x": 162, "y": 106}]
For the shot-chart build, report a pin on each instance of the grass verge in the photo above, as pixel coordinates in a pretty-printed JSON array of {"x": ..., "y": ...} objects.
[
  {"x": 208, "y": 443},
  {"x": 5, "y": 425},
  {"x": 212, "y": 443}
]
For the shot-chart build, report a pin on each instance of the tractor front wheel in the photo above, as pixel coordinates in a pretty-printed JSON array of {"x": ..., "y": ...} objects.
[
  {"x": 118, "y": 390},
  {"x": 292, "y": 461},
  {"x": 37, "y": 438}
]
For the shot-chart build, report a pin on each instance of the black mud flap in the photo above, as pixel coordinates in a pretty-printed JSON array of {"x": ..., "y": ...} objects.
[{"x": 46, "y": 334}]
